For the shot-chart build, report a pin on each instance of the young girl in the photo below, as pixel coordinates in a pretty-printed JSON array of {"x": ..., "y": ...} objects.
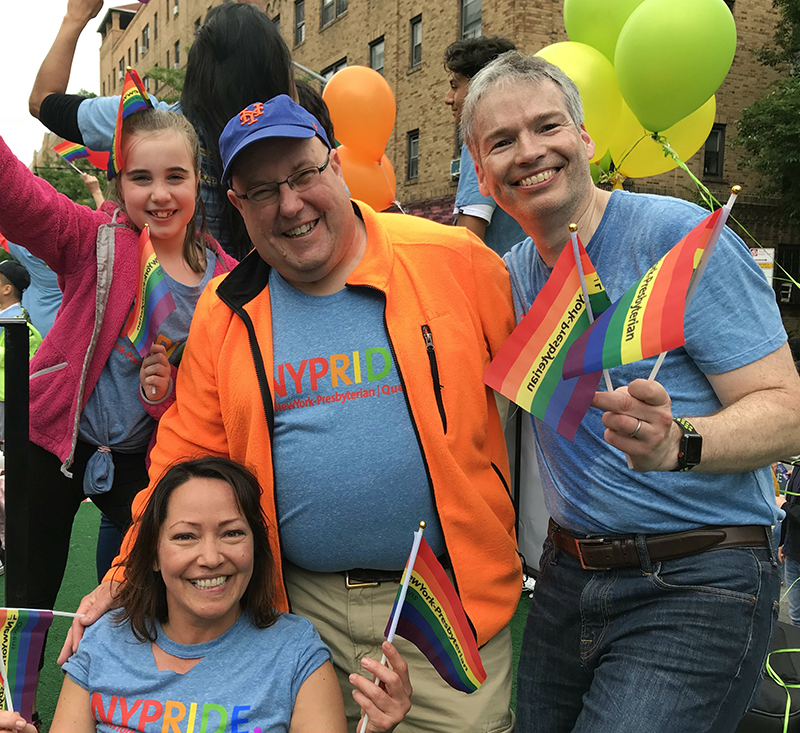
[{"x": 90, "y": 421}]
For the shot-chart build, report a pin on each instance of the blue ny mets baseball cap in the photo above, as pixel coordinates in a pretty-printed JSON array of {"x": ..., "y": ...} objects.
[{"x": 281, "y": 116}]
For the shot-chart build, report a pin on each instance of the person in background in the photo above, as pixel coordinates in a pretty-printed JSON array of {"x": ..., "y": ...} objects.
[
  {"x": 479, "y": 213},
  {"x": 789, "y": 550},
  {"x": 237, "y": 56}
]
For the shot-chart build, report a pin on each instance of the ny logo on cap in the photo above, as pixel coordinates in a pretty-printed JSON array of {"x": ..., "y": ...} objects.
[{"x": 248, "y": 116}]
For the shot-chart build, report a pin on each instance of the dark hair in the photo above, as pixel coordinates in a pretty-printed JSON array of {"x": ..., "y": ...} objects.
[
  {"x": 311, "y": 100},
  {"x": 238, "y": 57},
  {"x": 469, "y": 56},
  {"x": 161, "y": 120},
  {"x": 142, "y": 594}
]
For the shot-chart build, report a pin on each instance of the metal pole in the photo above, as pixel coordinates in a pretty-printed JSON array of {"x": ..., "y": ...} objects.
[
  {"x": 313, "y": 74},
  {"x": 17, "y": 408}
]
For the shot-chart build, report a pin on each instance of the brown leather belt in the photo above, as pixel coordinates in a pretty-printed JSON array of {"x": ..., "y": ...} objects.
[{"x": 605, "y": 553}]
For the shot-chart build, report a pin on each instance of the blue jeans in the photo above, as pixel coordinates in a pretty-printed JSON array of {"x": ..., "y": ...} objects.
[
  {"x": 675, "y": 646},
  {"x": 791, "y": 571}
]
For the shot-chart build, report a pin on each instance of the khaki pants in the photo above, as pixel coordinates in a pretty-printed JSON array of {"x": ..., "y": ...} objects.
[{"x": 352, "y": 621}]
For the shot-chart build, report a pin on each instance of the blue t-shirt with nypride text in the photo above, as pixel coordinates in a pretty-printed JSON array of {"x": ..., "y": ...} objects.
[
  {"x": 350, "y": 480},
  {"x": 246, "y": 680},
  {"x": 732, "y": 321}
]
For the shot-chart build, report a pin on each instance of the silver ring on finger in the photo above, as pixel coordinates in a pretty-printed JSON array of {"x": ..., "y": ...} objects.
[{"x": 635, "y": 432}]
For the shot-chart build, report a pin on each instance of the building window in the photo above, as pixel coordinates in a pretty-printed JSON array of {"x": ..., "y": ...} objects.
[
  {"x": 155, "y": 27},
  {"x": 376, "y": 55},
  {"x": 277, "y": 22},
  {"x": 714, "y": 152},
  {"x": 329, "y": 71},
  {"x": 129, "y": 57},
  {"x": 166, "y": 10},
  {"x": 104, "y": 89},
  {"x": 470, "y": 18},
  {"x": 197, "y": 24},
  {"x": 299, "y": 22},
  {"x": 412, "y": 169},
  {"x": 145, "y": 40},
  {"x": 146, "y": 82},
  {"x": 416, "y": 41},
  {"x": 729, "y": 3},
  {"x": 175, "y": 7},
  {"x": 167, "y": 59},
  {"x": 332, "y": 9},
  {"x": 121, "y": 72},
  {"x": 177, "y": 51}
]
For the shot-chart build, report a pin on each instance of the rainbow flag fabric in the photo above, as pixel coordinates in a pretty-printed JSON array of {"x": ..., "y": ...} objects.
[
  {"x": 648, "y": 319},
  {"x": 71, "y": 151},
  {"x": 153, "y": 302},
  {"x": 134, "y": 99},
  {"x": 527, "y": 369},
  {"x": 433, "y": 619},
  {"x": 22, "y": 635}
]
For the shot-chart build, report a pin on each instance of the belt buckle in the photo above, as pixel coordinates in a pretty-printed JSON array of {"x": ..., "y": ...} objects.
[
  {"x": 579, "y": 548},
  {"x": 350, "y": 584}
]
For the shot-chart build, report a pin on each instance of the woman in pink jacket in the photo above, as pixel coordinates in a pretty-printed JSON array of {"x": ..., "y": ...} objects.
[{"x": 94, "y": 401}]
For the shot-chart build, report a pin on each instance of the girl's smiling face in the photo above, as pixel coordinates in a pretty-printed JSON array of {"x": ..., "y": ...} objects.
[{"x": 158, "y": 185}]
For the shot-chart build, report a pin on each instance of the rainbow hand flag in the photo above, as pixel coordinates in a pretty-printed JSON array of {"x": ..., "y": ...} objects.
[
  {"x": 432, "y": 618},
  {"x": 153, "y": 302},
  {"x": 22, "y": 634},
  {"x": 648, "y": 319},
  {"x": 527, "y": 369},
  {"x": 134, "y": 99},
  {"x": 71, "y": 151}
]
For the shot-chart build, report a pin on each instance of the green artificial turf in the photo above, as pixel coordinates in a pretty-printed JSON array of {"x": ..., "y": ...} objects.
[{"x": 81, "y": 578}]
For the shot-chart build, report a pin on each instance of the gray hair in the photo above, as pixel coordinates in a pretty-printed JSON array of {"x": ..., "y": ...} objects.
[{"x": 512, "y": 67}]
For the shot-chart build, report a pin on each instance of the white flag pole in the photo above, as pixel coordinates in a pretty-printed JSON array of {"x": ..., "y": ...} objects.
[
  {"x": 701, "y": 266},
  {"x": 412, "y": 558}
]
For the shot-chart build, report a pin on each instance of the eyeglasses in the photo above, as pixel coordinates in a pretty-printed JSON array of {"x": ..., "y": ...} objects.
[{"x": 269, "y": 193}]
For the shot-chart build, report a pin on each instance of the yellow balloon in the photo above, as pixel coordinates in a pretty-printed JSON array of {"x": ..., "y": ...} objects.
[
  {"x": 594, "y": 76},
  {"x": 637, "y": 155}
]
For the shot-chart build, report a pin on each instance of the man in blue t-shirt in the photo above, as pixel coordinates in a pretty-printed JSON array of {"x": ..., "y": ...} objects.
[
  {"x": 658, "y": 584},
  {"x": 480, "y": 214}
]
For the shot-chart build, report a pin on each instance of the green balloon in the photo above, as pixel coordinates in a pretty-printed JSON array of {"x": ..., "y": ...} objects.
[
  {"x": 597, "y": 23},
  {"x": 672, "y": 55}
]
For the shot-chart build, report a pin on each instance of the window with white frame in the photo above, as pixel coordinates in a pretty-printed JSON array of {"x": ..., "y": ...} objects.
[
  {"x": 376, "y": 55},
  {"x": 412, "y": 145},
  {"x": 470, "y": 18},
  {"x": 299, "y": 22},
  {"x": 416, "y": 41}
]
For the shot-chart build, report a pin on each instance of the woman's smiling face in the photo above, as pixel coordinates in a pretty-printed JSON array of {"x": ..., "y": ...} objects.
[{"x": 205, "y": 556}]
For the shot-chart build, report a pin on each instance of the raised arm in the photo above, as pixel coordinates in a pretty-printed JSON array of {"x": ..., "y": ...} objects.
[{"x": 54, "y": 72}]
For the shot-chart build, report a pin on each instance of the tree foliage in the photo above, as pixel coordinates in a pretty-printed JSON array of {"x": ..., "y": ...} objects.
[
  {"x": 65, "y": 179},
  {"x": 173, "y": 78},
  {"x": 769, "y": 129}
]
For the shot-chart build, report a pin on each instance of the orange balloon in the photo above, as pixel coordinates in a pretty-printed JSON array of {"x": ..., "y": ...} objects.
[
  {"x": 362, "y": 110},
  {"x": 369, "y": 181}
]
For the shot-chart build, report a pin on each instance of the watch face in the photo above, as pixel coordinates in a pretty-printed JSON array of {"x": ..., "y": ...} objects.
[{"x": 694, "y": 448}]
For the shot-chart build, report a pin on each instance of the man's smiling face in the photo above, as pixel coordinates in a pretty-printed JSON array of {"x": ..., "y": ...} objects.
[
  {"x": 532, "y": 158},
  {"x": 304, "y": 235}
]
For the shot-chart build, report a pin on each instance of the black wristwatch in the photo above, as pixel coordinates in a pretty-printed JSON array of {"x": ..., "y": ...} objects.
[{"x": 691, "y": 446}]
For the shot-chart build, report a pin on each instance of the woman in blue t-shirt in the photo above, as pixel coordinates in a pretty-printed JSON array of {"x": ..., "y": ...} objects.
[{"x": 196, "y": 644}]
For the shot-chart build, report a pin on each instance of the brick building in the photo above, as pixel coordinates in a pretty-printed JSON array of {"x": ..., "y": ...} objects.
[{"x": 405, "y": 39}]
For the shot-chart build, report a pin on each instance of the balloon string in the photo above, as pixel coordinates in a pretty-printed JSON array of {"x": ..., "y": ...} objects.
[
  {"x": 395, "y": 201},
  {"x": 710, "y": 200}
]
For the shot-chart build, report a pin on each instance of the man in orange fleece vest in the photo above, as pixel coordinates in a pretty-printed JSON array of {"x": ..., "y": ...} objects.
[{"x": 342, "y": 362}]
